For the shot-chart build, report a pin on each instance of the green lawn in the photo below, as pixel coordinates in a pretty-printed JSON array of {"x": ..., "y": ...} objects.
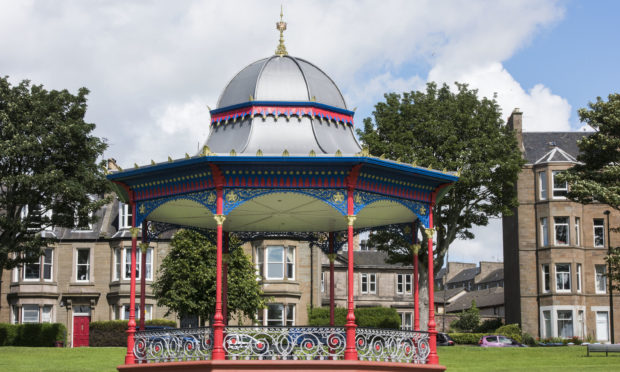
[
  {"x": 457, "y": 358},
  {"x": 570, "y": 358}
]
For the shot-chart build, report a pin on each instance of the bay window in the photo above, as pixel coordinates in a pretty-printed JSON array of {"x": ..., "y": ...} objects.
[
  {"x": 561, "y": 230},
  {"x": 560, "y": 189},
  {"x": 600, "y": 278},
  {"x": 565, "y": 323},
  {"x": 544, "y": 229},
  {"x": 280, "y": 262},
  {"x": 280, "y": 314},
  {"x": 599, "y": 232},
  {"x": 149, "y": 263},
  {"x": 546, "y": 277},
  {"x": 542, "y": 183},
  {"x": 562, "y": 277},
  {"x": 30, "y": 314}
]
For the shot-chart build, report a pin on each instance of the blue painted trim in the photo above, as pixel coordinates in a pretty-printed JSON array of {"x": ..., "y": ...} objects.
[
  {"x": 255, "y": 160},
  {"x": 283, "y": 103}
]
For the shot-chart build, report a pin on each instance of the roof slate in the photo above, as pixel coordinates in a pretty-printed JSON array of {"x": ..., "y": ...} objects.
[
  {"x": 537, "y": 144},
  {"x": 484, "y": 298},
  {"x": 494, "y": 276},
  {"x": 465, "y": 275}
]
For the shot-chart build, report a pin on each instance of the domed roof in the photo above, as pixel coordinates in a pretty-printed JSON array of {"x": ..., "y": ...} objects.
[{"x": 281, "y": 78}]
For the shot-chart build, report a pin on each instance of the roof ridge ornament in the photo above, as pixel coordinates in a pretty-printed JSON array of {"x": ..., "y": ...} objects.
[{"x": 281, "y": 26}]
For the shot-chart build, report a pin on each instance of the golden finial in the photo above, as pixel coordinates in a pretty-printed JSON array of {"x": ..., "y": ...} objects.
[
  {"x": 285, "y": 153},
  {"x": 259, "y": 152},
  {"x": 186, "y": 156},
  {"x": 281, "y": 26},
  {"x": 338, "y": 153},
  {"x": 169, "y": 159},
  {"x": 152, "y": 162}
]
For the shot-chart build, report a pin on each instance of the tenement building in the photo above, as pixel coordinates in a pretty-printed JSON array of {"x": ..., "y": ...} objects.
[{"x": 554, "y": 249}]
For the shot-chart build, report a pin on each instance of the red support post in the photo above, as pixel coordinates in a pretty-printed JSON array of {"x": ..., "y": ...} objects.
[
  {"x": 350, "y": 352},
  {"x": 416, "y": 286},
  {"x": 225, "y": 278},
  {"x": 218, "y": 319},
  {"x": 332, "y": 257},
  {"x": 131, "y": 326},
  {"x": 143, "y": 247},
  {"x": 432, "y": 357}
]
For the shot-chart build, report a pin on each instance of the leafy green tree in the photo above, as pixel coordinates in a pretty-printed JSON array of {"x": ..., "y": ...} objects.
[
  {"x": 48, "y": 167},
  {"x": 185, "y": 281},
  {"x": 442, "y": 129},
  {"x": 597, "y": 177},
  {"x": 468, "y": 320}
]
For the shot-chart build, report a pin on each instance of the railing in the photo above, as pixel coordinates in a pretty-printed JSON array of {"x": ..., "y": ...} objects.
[
  {"x": 281, "y": 343},
  {"x": 391, "y": 345},
  {"x": 171, "y": 345},
  {"x": 285, "y": 343}
]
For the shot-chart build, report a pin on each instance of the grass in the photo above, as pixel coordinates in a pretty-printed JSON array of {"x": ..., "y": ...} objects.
[
  {"x": 457, "y": 358},
  {"x": 31, "y": 359},
  {"x": 570, "y": 358}
]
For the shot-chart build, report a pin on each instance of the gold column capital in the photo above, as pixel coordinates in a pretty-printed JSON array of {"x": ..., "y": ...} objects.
[
  {"x": 332, "y": 257},
  {"x": 415, "y": 248},
  {"x": 429, "y": 232},
  {"x": 144, "y": 247},
  {"x": 219, "y": 218},
  {"x": 350, "y": 219},
  {"x": 134, "y": 231}
]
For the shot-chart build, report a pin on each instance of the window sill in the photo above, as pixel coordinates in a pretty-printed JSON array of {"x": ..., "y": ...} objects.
[{"x": 82, "y": 284}]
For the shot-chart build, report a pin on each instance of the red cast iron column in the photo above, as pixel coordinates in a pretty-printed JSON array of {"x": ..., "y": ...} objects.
[
  {"x": 416, "y": 287},
  {"x": 432, "y": 357},
  {"x": 350, "y": 352},
  {"x": 218, "y": 323},
  {"x": 143, "y": 247},
  {"x": 131, "y": 326},
  {"x": 225, "y": 278},
  {"x": 332, "y": 257}
]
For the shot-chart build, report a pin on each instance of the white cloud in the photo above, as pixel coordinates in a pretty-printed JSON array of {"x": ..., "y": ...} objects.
[{"x": 487, "y": 246}]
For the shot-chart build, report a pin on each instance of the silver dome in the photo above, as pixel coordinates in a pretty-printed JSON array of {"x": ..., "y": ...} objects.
[
  {"x": 282, "y": 78},
  {"x": 282, "y": 81}
]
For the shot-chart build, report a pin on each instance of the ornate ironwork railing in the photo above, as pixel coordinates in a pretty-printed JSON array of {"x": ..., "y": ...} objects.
[
  {"x": 281, "y": 343},
  {"x": 391, "y": 345},
  {"x": 171, "y": 345},
  {"x": 285, "y": 343}
]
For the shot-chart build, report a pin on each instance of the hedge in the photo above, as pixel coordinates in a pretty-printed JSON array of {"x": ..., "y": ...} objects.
[
  {"x": 35, "y": 334},
  {"x": 466, "y": 338},
  {"x": 510, "y": 330},
  {"x": 379, "y": 317},
  {"x": 114, "y": 332}
]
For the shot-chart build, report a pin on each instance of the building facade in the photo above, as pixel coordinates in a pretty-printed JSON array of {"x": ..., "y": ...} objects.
[
  {"x": 554, "y": 249},
  {"x": 84, "y": 276}
]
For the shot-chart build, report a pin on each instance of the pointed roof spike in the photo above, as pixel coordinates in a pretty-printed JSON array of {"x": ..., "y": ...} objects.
[
  {"x": 186, "y": 156},
  {"x": 312, "y": 153},
  {"x": 233, "y": 152},
  {"x": 281, "y": 26},
  {"x": 338, "y": 153},
  {"x": 152, "y": 162},
  {"x": 169, "y": 159},
  {"x": 285, "y": 153},
  {"x": 135, "y": 165},
  {"x": 259, "y": 152}
]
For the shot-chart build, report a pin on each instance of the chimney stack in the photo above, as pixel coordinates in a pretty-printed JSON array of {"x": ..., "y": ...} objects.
[{"x": 515, "y": 122}]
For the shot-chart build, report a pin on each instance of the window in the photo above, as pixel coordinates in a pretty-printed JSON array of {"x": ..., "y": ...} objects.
[
  {"x": 565, "y": 323},
  {"x": 124, "y": 216},
  {"x": 280, "y": 262},
  {"x": 545, "y": 231},
  {"x": 15, "y": 317},
  {"x": 369, "y": 283},
  {"x": 279, "y": 314},
  {"x": 149, "y": 263},
  {"x": 542, "y": 182},
  {"x": 578, "y": 277},
  {"x": 546, "y": 277},
  {"x": 46, "y": 314},
  {"x": 601, "y": 283},
  {"x": 148, "y": 309},
  {"x": 42, "y": 267},
  {"x": 117, "y": 264},
  {"x": 81, "y": 224},
  {"x": 32, "y": 271},
  {"x": 406, "y": 320},
  {"x": 547, "y": 323},
  {"x": 323, "y": 281},
  {"x": 562, "y": 277},
  {"x": 561, "y": 230},
  {"x": 30, "y": 314},
  {"x": 403, "y": 283},
  {"x": 599, "y": 232},
  {"x": 577, "y": 231},
  {"x": 560, "y": 189},
  {"x": 83, "y": 265}
]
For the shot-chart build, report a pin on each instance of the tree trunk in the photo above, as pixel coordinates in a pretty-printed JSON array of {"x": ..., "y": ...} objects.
[{"x": 423, "y": 293}]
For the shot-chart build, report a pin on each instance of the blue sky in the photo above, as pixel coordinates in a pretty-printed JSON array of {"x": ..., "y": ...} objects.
[{"x": 154, "y": 66}]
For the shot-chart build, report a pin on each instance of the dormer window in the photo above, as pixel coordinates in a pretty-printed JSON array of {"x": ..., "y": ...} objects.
[
  {"x": 124, "y": 216},
  {"x": 560, "y": 189}
]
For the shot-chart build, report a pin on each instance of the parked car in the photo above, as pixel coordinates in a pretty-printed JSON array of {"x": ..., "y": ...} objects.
[
  {"x": 444, "y": 340},
  {"x": 498, "y": 341}
]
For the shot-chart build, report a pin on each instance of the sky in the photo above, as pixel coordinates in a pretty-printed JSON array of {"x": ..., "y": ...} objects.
[{"x": 154, "y": 67}]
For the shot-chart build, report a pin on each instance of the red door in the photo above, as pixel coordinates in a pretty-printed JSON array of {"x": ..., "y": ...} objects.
[{"x": 80, "y": 330}]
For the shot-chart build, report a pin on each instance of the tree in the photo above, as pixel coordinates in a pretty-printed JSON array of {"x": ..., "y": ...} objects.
[
  {"x": 185, "y": 282},
  {"x": 48, "y": 167},
  {"x": 468, "y": 320},
  {"x": 442, "y": 129},
  {"x": 596, "y": 178}
]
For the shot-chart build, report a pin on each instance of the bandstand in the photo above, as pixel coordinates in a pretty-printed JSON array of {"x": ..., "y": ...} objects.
[{"x": 282, "y": 159}]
